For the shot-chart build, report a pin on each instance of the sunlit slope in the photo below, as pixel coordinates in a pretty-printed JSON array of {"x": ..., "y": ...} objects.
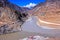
[{"x": 48, "y": 13}]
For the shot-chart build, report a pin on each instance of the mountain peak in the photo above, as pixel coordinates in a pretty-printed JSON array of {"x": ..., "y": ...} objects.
[{"x": 52, "y": 0}]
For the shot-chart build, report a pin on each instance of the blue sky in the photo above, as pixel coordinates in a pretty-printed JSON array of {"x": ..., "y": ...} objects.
[{"x": 26, "y": 3}]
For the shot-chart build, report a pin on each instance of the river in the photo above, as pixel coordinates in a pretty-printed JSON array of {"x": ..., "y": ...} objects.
[{"x": 31, "y": 26}]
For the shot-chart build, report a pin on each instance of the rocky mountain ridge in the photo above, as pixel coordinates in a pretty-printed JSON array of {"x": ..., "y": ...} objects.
[
  {"x": 48, "y": 13},
  {"x": 11, "y": 17}
]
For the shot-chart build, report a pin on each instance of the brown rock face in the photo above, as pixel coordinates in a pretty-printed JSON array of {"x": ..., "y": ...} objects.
[
  {"x": 11, "y": 18},
  {"x": 48, "y": 13}
]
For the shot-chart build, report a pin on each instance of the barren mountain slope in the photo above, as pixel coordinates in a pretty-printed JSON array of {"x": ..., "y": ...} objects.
[
  {"x": 11, "y": 17},
  {"x": 48, "y": 13}
]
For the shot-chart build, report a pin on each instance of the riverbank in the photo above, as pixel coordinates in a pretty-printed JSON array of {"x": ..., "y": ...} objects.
[
  {"x": 21, "y": 35},
  {"x": 16, "y": 35}
]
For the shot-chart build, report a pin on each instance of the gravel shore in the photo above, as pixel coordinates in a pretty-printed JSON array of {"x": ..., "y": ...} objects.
[{"x": 16, "y": 35}]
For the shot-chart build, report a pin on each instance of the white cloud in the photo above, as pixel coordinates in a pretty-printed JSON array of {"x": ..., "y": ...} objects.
[{"x": 30, "y": 5}]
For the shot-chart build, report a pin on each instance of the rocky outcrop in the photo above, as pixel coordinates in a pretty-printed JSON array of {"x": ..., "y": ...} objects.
[{"x": 11, "y": 17}]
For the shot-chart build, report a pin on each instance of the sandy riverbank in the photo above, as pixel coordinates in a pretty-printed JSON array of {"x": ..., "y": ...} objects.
[
  {"x": 16, "y": 35},
  {"x": 21, "y": 35}
]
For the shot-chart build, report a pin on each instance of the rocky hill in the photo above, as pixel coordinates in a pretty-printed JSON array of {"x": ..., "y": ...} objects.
[
  {"x": 11, "y": 17},
  {"x": 48, "y": 13}
]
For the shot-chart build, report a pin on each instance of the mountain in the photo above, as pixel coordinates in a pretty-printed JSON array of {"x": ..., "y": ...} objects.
[
  {"x": 11, "y": 17},
  {"x": 48, "y": 13}
]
